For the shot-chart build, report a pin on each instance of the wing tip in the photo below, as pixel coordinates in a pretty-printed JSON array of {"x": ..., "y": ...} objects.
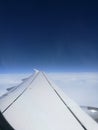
[{"x": 35, "y": 70}]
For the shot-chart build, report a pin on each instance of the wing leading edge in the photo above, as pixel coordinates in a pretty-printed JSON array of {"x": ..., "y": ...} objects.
[{"x": 38, "y": 104}]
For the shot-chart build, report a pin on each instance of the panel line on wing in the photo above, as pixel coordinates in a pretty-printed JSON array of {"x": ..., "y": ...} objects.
[
  {"x": 21, "y": 93},
  {"x": 64, "y": 103}
]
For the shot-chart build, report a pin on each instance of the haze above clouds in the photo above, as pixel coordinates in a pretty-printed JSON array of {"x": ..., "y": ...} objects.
[{"x": 81, "y": 87}]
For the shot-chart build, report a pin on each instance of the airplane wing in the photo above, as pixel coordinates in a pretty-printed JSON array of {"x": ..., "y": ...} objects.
[{"x": 38, "y": 104}]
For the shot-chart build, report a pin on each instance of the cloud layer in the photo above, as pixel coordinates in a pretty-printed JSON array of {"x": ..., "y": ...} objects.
[{"x": 81, "y": 87}]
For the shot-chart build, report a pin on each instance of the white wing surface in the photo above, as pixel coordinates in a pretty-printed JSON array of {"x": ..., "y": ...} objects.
[{"x": 38, "y": 104}]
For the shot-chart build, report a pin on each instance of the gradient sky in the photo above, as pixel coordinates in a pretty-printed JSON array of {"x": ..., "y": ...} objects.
[{"x": 48, "y": 35}]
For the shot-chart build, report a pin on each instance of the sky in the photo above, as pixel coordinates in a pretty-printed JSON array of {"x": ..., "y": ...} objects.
[{"x": 56, "y": 36}]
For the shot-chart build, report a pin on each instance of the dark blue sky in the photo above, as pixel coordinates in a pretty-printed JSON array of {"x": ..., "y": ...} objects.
[{"x": 48, "y": 35}]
